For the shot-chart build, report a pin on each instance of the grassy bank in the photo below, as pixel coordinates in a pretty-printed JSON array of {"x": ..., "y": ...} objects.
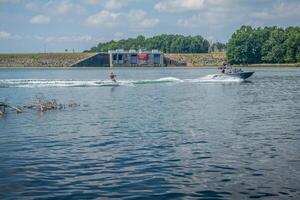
[
  {"x": 46, "y": 55},
  {"x": 46, "y": 60},
  {"x": 196, "y": 60},
  {"x": 69, "y": 59},
  {"x": 275, "y": 65},
  {"x": 42, "y": 59}
]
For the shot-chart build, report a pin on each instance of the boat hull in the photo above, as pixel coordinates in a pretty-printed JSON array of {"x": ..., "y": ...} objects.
[{"x": 242, "y": 75}]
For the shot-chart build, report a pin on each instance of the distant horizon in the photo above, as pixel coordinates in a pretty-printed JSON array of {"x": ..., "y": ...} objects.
[{"x": 56, "y": 25}]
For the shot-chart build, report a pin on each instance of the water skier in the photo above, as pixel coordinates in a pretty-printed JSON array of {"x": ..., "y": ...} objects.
[{"x": 112, "y": 77}]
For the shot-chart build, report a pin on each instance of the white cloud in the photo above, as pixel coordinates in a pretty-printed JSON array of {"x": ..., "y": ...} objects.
[
  {"x": 109, "y": 4},
  {"x": 92, "y": 2},
  {"x": 221, "y": 14},
  {"x": 179, "y": 5},
  {"x": 10, "y": 1},
  {"x": 206, "y": 19},
  {"x": 40, "y": 19},
  {"x": 4, "y": 35},
  {"x": 136, "y": 15},
  {"x": 288, "y": 9},
  {"x": 55, "y": 7},
  {"x": 119, "y": 34},
  {"x": 149, "y": 23},
  {"x": 68, "y": 39},
  {"x": 114, "y": 4},
  {"x": 136, "y": 19},
  {"x": 279, "y": 10},
  {"x": 33, "y": 6},
  {"x": 105, "y": 18},
  {"x": 65, "y": 7},
  {"x": 210, "y": 19}
]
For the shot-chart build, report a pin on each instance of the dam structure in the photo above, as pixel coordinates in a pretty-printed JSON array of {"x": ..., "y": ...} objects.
[
  {"x": 132, "y": 58},
  {"x": 114, "y": 58},
  {"x": 96, "y": 60}
]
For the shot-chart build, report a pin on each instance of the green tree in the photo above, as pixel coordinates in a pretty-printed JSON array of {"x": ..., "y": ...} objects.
[
  {"x": 292, "y": 44},
  {"x": 274, "y": 49},
  {"x": 264, "y": 45},
  {"x": 165, "y": 43},
  {"x": 239, "y": 47},
  {"x": 217, "y": 47}
]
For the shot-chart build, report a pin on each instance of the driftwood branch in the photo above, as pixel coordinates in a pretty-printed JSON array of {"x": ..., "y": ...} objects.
[
  {"x": 45, "y": 105},
  {"x": 41, "y": 105},
  {"x": 4, "y": 105}
]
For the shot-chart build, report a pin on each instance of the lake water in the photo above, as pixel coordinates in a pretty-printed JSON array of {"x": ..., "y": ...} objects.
[{"x": 164, "y": 133}]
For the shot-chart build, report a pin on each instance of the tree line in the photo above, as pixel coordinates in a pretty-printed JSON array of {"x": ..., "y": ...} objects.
[
  {"x": 165, "y": 43},
  {"x": 246, "y": 46},
  {"x": 264, "y": 45}
]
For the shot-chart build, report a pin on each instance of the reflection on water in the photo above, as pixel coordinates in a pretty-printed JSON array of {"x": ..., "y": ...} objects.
[{"x": 174, "y": 139}]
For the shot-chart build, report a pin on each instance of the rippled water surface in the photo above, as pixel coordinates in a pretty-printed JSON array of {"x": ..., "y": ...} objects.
[{"x": 157, "y": 134}]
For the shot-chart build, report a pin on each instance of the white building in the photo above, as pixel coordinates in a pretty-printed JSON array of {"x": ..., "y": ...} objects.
[{"x": 119, "y": 57}]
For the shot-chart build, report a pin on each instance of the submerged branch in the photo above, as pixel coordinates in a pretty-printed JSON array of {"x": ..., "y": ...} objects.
[
  {"x": 41, "y": 105},
  {"x": 5, "y": 105}
]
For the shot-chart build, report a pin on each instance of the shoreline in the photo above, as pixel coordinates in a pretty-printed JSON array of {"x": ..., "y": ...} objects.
[
  {"x": 88, "y": 60},
  {"x": 270, "y": 65},
  {"x": 293, "y": 65}
]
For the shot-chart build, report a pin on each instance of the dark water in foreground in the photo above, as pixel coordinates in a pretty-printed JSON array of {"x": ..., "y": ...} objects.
[{"x": 161, "y": 134}]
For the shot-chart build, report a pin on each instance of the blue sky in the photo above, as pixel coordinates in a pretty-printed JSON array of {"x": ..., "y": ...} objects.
[{"x": 55, "y": 25}]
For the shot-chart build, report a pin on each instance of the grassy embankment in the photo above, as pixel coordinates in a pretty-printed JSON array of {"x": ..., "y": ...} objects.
[
  {"x": 197, "y": 60},
  {"x": 273, "y": 65},
  {"x": 68, "y": 59},
  {"x": 216, "y": 59},
  {"x": 42, "y": 59}
]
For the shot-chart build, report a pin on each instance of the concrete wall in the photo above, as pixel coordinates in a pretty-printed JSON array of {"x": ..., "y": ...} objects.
[
  {"x": 127, "y": 59},
  {"x": 98, "y": 60}
]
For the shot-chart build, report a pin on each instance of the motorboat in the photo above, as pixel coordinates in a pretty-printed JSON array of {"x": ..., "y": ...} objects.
[{"x": 235, "y": 72}]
